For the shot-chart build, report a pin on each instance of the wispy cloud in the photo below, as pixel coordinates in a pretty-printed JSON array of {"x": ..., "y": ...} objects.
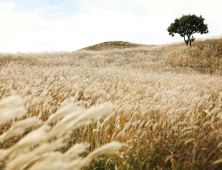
[{"x": 71, "y": 25}]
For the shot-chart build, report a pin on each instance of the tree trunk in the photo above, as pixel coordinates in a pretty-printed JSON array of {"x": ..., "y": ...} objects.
[
  {"x": 189, "y": 40},
  {"x": 186, "y": 41}
]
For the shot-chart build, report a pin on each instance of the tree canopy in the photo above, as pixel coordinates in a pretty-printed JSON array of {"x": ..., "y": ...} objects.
[{"x": 188, "y": 25}]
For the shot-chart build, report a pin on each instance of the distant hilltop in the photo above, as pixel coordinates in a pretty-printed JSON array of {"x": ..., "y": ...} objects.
[{"x": 112, "y": 45}]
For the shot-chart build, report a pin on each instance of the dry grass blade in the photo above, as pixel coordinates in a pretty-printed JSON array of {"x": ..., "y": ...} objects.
[
  {"x": 62, "y": 113},
  {"x": 10, "y": 108},
  {"x": 217, "y": 162},
  {"x": 19, "y": 127},
  {"x": 78, "y": 118},
  {"x": 33, "y": 138},
  {"x": 110, "y": 148},
  {"x": 75, "y": 150},
  {"x": 12, "y": 102},
  {"x": 30, "y": 158},
  {"x": 50, "y": 161}
]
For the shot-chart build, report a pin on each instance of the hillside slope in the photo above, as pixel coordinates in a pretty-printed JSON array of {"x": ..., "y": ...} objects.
[
  {"x": 164, "y": 102},
  {"x": 112, "y": 45}
]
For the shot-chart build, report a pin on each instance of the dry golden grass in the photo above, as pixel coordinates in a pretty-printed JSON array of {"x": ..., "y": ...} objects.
[
  {"x": 113, "y": 44},
  {"x": 155, "y": 99}
]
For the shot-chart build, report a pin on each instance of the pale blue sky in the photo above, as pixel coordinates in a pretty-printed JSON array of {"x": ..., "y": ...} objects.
[{"x": 69, "y": 25}]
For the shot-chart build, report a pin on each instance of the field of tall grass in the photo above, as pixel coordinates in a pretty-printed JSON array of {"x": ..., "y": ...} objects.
[{"x": 144, "y": 107}]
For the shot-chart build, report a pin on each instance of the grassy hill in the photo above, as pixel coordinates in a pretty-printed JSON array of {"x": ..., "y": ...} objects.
[
  {"x": 163, "y": 102},
  {"x": 112, "y": 45}
]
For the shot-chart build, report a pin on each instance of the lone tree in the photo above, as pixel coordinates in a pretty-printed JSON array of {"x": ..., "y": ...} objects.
[{"x": 188, "y": 25}]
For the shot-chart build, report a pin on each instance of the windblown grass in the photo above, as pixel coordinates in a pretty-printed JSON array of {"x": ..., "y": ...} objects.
[
  {"x": 111, "y": 45},
  {"x": 155, "y": 99}
]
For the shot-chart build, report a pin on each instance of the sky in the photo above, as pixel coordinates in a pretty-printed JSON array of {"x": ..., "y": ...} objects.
[{"x": 69, "y": 25}]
